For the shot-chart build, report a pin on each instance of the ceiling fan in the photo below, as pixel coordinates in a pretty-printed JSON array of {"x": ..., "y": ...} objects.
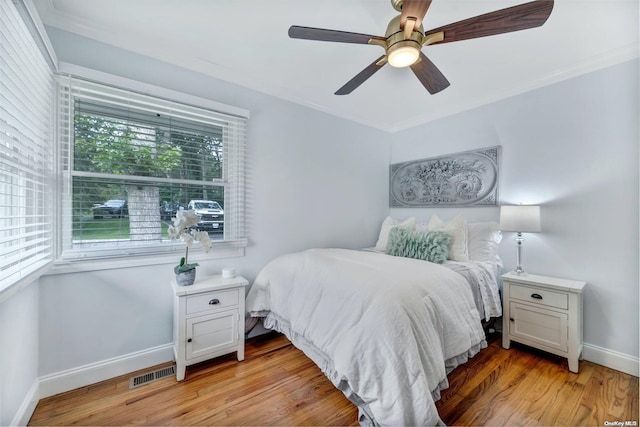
[{"x": 405, "y": 37}]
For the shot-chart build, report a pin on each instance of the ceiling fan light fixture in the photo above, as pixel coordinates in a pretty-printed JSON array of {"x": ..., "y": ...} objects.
[
  {"x": 403, "y": 54},
  {"x": 405, "y": 37}
]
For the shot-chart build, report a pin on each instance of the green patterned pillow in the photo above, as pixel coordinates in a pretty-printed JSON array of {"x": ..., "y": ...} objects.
[{"x": 430, "y": 246}]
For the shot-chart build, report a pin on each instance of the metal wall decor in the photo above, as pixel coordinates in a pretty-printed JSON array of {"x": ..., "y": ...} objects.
[{"x": 462, "y": 179}]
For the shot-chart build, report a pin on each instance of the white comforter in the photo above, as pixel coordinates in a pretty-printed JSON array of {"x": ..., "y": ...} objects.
[{"x": 385, "y": 330}]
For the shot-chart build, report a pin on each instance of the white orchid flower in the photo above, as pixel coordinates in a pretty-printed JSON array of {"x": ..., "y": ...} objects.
[
  {"x": 174, "y": 233},
  {"x": 182, "y": 229},
  {"x": 190, "y": 218},
  {"x": 203, "y": 238}
]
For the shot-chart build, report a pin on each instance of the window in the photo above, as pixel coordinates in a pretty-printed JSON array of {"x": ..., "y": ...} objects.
[
  {"x": 132, "y": 160},
  {"x": 26, "y": 151}
]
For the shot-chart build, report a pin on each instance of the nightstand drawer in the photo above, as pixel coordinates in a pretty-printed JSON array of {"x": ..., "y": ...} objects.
[
  {"x": 540, "y": 296},
  {"x": 212, "y": 301}
]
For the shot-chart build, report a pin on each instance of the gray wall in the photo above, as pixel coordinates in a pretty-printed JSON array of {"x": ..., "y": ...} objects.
[
  {"x": 572, "y": 148},
  {"x": 310, "y": 180}
]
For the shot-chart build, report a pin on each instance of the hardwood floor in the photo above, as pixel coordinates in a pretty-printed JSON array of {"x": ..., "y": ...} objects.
[{"x": 277, "y": 384}]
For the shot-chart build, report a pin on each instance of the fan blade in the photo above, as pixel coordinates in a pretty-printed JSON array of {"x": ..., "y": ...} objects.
[
  {"x": 516, "y": 18},
  {"x": 322, "y": 34},
  {"x": 363, "y": 75},
  {"x": 416, "y": 9},
  {"x": 429, "y": 75}
]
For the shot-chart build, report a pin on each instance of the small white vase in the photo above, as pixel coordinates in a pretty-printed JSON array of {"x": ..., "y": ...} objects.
[{"x": 187, "y": 278}]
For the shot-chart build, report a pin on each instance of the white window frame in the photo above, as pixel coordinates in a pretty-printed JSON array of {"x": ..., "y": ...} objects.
[{"x": 167, "y": 252}]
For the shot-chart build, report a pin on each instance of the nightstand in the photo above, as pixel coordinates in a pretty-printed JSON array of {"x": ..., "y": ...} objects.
[
  {"x": 545, "y": 313},
  {"x": 208, "y": 320}
]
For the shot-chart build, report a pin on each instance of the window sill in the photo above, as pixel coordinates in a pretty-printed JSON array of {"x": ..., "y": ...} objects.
[{"x": 79, "y": 264}]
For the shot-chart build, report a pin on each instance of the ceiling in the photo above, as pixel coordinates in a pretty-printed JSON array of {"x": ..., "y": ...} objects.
[{"x": 245, "y": 42}]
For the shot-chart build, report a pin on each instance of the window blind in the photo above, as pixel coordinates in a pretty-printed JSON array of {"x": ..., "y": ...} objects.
[
  {"x": 132, "y": 160},
  {"x": 26, "y": 151}
]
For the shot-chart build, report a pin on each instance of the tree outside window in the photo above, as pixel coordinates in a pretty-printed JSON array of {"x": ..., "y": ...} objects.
[{"x": 147, "y": 165}]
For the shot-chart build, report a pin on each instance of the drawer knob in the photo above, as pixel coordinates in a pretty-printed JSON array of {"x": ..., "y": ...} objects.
[
  {"x": 189, "y": 340},
  {"x": 536, "y": 296},
  {"x": 214, "y": 301},
  {"x": 512, "y": 319}
]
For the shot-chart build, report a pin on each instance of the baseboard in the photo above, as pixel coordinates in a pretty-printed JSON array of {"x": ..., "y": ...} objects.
[
  {"x": 29, "y": 404},
  {"x": 95, "y": 372},
  {"x": 611, "y": 359}
]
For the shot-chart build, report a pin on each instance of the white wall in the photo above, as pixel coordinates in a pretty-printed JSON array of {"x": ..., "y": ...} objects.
[
  {"x": 572, "y": 148},
  {"x": 310, "y": 184},
  {"x": 18, "y": 354}
]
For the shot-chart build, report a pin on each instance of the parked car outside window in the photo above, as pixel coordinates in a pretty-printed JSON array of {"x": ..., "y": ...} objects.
[
  {"x": 210, "y": 213},
  {"x": 168, "y": 209},
  {"x": 111, "y": 208}
]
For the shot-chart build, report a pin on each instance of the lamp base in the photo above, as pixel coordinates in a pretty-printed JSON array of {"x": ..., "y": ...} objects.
[{"x": 520, "y": 271}]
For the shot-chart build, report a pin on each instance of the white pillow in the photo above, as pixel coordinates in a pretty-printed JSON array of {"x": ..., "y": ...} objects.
[
  {"x": 457, "y": 228},
  {"x": 422, "y": 226},
  {"x": 387, "y": 225},
  {"x": 484, "y": 241}
]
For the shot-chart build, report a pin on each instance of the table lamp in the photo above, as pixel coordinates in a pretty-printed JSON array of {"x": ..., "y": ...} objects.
[{"x": 521, "y": 219}]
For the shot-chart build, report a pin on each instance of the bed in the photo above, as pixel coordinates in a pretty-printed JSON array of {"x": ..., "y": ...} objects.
[{"x": 386, "y": 330}]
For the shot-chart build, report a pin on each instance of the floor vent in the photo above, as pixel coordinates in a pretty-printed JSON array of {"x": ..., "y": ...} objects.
[{"x": 148, "y": 377}]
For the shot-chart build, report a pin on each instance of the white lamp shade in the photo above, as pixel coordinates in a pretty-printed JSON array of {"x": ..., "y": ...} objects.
[{"x": 520, "y": 218}]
